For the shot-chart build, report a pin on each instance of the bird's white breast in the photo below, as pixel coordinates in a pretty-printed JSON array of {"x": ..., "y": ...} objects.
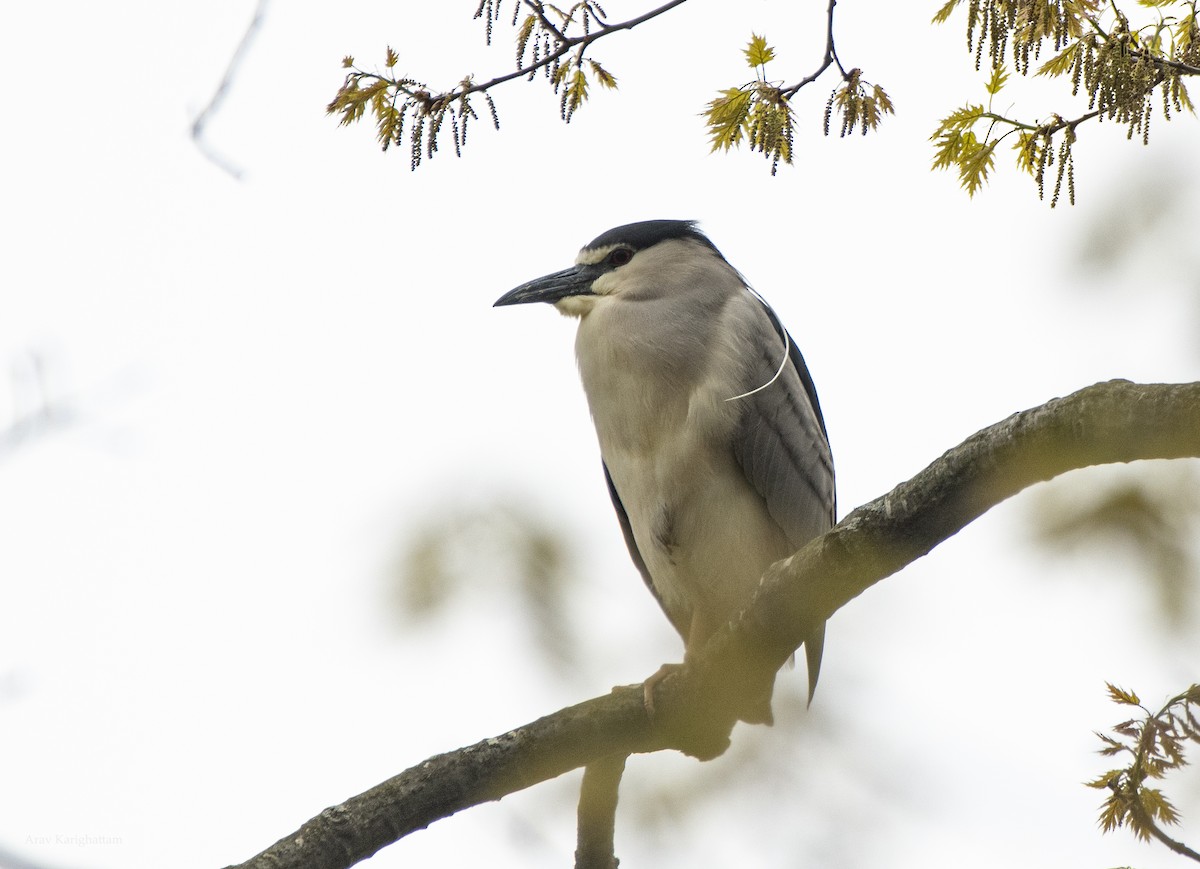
[{"x": 665, "y": 432}]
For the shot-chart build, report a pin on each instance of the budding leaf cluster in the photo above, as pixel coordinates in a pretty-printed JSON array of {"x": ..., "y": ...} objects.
[
  {"x": 757, "y": 113},
  {"x": 545, "y": 42},
  {"x": 861, "y": 105},
  {"x": 1154, "y": 744},
  {"x": 1126, "y": 72},
  {"x": 760, "y": 113},
  {"x": 1123, "y": 70},
  {"x": 407, "y": 111}
]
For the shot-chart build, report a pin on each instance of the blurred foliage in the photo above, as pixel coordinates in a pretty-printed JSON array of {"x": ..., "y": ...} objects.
[
  {"x": 1127, "y": 67},
  {"x": 1142, "y": 213},
  {"x": 1153, "y": 515},
  {"x": 502, "y": 557},
  {"x": 1155, "y": 743},
  {"x": 462, "y": 555},
  {"x": 760, "y": 761}
]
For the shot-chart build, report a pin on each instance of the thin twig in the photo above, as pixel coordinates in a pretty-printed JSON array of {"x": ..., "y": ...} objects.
[
  {"x": 539, "y": 9},
  {"x": 564, "y": 46},
  {"x": 827, "y": 61},
  {"x": 1048, "y": 129},
  {"x": 598, "y": 813},
  {"x": 1154, "y": 830},
  {"x": 200, "y": 124},
  {"x": 37, "y": 409}
]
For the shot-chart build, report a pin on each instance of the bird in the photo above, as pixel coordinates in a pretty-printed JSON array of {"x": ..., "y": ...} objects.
[{"x": 712, "y": 441}]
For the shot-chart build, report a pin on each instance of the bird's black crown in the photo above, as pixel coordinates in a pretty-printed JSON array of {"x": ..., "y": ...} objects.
[{"x": 648, "y": 233}]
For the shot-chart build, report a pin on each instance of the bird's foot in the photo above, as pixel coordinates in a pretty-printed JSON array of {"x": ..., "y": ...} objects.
[{"x": 650, "y": 684}]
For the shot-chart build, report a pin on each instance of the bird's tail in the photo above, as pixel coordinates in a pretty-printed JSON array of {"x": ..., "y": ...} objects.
[
  {"x": 813, "y": 647},
  {"x": 757, "y": 710}
]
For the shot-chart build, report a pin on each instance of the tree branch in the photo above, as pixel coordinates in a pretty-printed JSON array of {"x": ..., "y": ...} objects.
[
  {"x": 1110, "y": 422},
  {"x": 565, "y": 44},
  {"x": 827, "y": 61},
  {"x": 448, "y": 783},
  {"x": 1178, "y": 847},
  {"x": 598, "y": 813},
  {"x": 200, "y": 124}
]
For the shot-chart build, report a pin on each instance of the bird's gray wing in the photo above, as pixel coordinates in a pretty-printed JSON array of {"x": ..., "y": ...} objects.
[
  {"x": 783, "y": 450},
  {"x": 634, "y": 552}
]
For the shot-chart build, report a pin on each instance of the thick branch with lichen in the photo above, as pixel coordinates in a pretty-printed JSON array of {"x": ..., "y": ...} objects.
[{"x": 1110, "y": 422}]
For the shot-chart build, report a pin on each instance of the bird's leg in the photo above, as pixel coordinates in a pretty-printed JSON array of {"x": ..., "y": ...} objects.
[
  {"x": 698, "y": 632},
  {"x": 650, "y": 684}
]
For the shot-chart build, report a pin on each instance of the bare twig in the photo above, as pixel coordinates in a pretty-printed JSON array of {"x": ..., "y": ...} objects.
[
  {"x": 37, "y": 408},
  {"x": 598, "y": 813},
  {"x": 200, "y": 124},
  {"x": 827, "y": 61},
  {"x": 565, "y": 45}
]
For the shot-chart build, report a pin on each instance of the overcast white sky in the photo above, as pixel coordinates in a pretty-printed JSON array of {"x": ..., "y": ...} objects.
[{"x": 275, "y": 379}]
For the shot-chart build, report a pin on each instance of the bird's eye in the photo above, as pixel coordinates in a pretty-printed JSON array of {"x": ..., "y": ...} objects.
[{"x": 620, "y": 256}]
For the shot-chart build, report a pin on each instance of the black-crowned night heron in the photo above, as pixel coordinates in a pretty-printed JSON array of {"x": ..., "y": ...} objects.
[{"x": 713, "y": 444}]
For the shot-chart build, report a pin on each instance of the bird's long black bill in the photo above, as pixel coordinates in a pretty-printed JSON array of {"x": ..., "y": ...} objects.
[{"x": 575, "y": 281}]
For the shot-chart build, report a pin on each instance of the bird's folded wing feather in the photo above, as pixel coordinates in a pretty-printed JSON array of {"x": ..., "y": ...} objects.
[{"x": 783, "y": 450}]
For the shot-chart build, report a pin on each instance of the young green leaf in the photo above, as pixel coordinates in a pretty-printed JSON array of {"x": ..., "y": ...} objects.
[
  {"x": 976, "y": 161},
  {"x": 1061, "y": 63},
  {"x": 758, "y": 53},
  {"x": 726, "y": 118},
  {"x": 943, "y": 14},
  {"x": 996, "y": 82},
  {"x": 603, "y": 76},
  {"x": 1118, "y": 695}
]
